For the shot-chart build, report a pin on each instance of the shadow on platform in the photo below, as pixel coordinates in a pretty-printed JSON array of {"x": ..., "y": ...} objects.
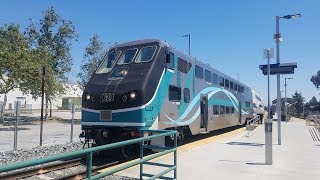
[
  {"x": 256, "y": 163},
  {"x": 245, "y": 144}
]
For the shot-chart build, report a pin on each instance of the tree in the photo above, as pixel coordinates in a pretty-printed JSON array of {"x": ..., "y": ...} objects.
[
  {"x": 316, "y": 80},
  {"x": 313, "y": 105},
  {"x": 51, "y": 44},
  {"x": 313, "y": 101},
  {"x": 15, "y": 61},
  {"x": 298, "y": 102},
  {"x": 92, "y": 57}
]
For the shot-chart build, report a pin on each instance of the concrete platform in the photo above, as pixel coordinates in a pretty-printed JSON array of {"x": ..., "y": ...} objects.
[{"x": 237, "y": 156}]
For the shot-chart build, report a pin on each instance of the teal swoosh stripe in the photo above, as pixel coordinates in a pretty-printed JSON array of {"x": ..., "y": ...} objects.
[{"x": 212, "y": 90}]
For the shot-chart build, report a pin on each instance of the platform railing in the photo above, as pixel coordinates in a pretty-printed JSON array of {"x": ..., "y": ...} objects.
[
  {"x": 252, "y": 124},
  {"x": 161, "y": 148},
  {"x": 89, "y": 153},
  {"x": 313, "y": 120}
]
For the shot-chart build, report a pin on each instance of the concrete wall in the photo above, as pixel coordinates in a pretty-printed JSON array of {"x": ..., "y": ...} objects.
[{"x": 72, "y": 91}]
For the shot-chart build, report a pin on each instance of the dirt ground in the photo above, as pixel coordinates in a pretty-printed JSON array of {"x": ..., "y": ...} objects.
[{"x": 54, "y": 132}]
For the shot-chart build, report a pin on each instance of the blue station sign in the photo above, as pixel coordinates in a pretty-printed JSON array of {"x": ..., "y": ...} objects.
[{"x": 284, "y": 68}]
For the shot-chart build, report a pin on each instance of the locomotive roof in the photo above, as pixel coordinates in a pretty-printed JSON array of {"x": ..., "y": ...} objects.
[
  {"x": 189, "y": 58},
  {"x": 141, "y": 41}
]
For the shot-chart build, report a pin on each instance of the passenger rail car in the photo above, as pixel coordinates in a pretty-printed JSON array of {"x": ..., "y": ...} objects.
[{"x": 150, "y": 84}]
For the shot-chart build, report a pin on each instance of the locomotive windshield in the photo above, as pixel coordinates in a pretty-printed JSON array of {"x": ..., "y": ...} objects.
[
  {"x": 144, "y": 54},
  {"x": 107, "y": 63},
  {"x": 127, "y": 56}
]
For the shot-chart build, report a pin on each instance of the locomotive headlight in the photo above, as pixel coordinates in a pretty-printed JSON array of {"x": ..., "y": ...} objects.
[
  {"x": 124, "y": 72},
  {"x": 133, "y": 95},
  {"x": 88, "y": 97}
]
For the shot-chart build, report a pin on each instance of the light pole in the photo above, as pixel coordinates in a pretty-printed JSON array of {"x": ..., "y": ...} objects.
[
  {"x": 285, "y": 98},
  {"x": 189, "y": 36},
  {"x": 277, "y": 37}
]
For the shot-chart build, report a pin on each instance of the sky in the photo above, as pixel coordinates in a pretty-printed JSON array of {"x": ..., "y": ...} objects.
[{"x": 227, "y": 34}]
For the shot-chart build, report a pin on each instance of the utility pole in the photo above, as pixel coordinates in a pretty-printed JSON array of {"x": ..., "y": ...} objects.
[
  {"x": 189, "y": 37},
  {"x": 277, "y": 37}
]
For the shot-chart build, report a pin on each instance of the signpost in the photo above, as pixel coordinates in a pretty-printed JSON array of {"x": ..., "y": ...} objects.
[
  {"x": 268, "y": 53},
  {"x": 73, "y": 109},
  {"x": 17, "y": 108},
  {"x": 42, "y": 102}
]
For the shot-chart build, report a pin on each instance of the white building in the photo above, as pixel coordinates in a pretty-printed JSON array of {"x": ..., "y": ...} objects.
[{"x": 27, "y": 101}]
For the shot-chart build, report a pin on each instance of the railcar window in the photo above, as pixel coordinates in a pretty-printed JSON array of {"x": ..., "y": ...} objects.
[
  {"x": 258, "y": 98},
  {"x": 232, "y": 110},
  {"x": 226, "y": 83},
  {"x": 222, "y": 109},
  {"x": 127, "y": 56},
  {"x": 174, "y": 94},
  {"x": 231, "y": 85},
  {"x": 239, "y": 88},
  {"x": 146, "y": 54},
  {"x": 189, "y": 66},
  {"x": 215, "y": 109},
  {"x": 182, "y": 66},
  {"x": 248, "y": 104},
  {"x": 227, "y": 109},
  {"x": 186, "y": 95},
  {"x": 221, "y": 81},
  {"x": 207, "y": 76},
  {"x": 242, "y": 89},
  {"x": 236, "y": 87},
  {"x": 215, "y": 78},
  {"x": 108, "y": 62},
  {"x": 199, "y": 72}
]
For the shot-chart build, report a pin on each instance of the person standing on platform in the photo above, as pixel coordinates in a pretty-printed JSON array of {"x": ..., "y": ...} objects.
[{"x": 260, "y": 113}]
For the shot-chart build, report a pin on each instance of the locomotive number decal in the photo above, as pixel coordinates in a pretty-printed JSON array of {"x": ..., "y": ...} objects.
[{"x": 107, "y": 97}]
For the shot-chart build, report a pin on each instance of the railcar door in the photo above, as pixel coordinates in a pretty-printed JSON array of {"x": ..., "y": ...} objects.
[{"x": 204, "y": 111}]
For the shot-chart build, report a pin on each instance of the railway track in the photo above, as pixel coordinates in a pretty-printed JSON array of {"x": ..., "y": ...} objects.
[
  {"x": 69, "y": 169},
  {"x": 42, "y": 171},
  {"x": 25, "y": 173},
  {"x": 82, "y": 174}
]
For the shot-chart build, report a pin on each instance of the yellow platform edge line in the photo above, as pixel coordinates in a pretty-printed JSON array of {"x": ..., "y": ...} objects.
[{"x": 181, "y": 149}]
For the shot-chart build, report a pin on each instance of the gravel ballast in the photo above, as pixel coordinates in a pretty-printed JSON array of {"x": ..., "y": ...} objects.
[{"x": 20, "y": 155}]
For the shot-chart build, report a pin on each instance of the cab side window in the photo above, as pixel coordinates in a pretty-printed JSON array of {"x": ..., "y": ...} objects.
[{"x": 170, "y": 60}]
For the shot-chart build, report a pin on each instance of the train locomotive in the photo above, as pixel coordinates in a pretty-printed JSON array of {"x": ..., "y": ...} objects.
[{"x": 149, "y": 84}]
